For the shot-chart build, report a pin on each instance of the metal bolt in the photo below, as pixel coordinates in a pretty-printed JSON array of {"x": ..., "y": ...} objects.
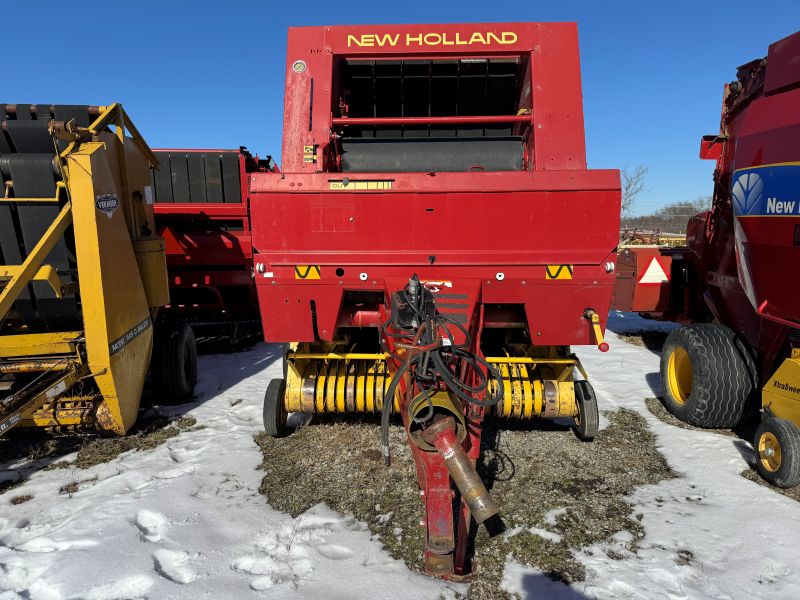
[
  {"x": 500, "y": 276},
  {"x": 609, "y": 267},
  {"x": 769, "y": 452},
  {"x": 422, "y": 492},
  {"x": 363, "y": 276}
]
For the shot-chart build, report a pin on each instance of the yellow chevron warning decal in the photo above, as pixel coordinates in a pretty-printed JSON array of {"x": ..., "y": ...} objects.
[
  {"x": 306, "y": 272},
  {"x": 558, "y": 272}
]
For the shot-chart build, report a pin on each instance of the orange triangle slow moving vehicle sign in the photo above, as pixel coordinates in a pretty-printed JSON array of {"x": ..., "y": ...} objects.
[{"x": 654, "y": 274}]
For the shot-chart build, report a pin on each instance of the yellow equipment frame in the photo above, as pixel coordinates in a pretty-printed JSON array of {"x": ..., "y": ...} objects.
[{"x": 92, "y": 377}]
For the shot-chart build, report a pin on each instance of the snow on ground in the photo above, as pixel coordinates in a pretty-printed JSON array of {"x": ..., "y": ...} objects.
[
  {"x": 185, "y": 520},
  {"x": 710, "y": 533}
]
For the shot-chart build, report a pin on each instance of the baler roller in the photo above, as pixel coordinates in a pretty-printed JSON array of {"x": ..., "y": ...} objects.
[
  {"x": 339, "y": 383},
  {"x": 527, "y": 395},
  {"x": 338, "y": 386}
]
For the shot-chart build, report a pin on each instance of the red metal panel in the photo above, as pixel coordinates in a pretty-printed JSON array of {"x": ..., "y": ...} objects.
[
  {"x": 554, "y": 64},
  {"x": 554, "y": 308},
  {"x": 767, "y": 131},
  {"x": 513, "y": 228},
  {"x": 784, "y": 65},
  {"x": 505, "y": 181},
  {"x": 558, "y": 99},
  {"x": 651, "y": 296}
]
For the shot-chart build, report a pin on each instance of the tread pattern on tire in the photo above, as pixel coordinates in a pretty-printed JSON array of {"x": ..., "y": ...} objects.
[
  {"x": 723, "y": 375},
  {"x": 590, "y": 417},
  {"x": 788, "y": 434},
  {"x": 274, "y": 415},
  {"x": 167, "y": 368}
]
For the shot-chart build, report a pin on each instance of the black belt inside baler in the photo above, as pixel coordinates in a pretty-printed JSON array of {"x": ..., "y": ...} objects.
[
  {"x": 27, "y": 157},
  {"x": 424, "y": 154},
  {"x": 197, "y": 177}
]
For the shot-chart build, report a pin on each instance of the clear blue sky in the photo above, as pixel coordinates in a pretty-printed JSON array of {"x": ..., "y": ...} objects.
[{"x": 211, "y": 73}]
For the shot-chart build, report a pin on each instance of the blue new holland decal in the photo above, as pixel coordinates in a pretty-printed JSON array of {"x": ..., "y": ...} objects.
[{"x": 772, "y": 190}]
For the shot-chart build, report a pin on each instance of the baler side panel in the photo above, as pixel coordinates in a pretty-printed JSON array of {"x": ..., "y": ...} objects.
[{"x": 558, "y": 100}]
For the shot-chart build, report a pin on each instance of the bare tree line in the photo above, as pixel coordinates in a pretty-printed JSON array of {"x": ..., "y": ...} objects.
[{"x": 671, "y": 218}]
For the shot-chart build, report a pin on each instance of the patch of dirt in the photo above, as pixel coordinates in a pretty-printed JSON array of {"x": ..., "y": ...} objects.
[
  {"x": 69, "y": 488},
  {"x": 146, "y": 437},
  {"x": 32, "y": 446},
  {"x": 541, "y": 476},
  {"x": 652, "y": 340},
  {"x": 21, "y": 499}
]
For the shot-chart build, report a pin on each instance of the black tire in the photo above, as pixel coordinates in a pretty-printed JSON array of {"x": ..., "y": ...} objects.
[
  {"x": 777, "y": 448},
  {"x": 173, "y": 366},
  {"x": 587, "y": 422},
  {"x": 275, "y": 414},
  {"x": 707, "y": 375}
]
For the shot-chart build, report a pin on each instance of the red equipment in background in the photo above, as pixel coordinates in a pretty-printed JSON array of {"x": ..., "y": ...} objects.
[
  {"x": 202, "y": 212},
  {"x": 740, "y": 269},
  {"x": 435, "y": 242}
]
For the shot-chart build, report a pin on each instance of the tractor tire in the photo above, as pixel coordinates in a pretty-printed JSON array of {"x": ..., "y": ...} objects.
[
  {"x": 275, "y": 414},
  {"x": 173, "y": 367},
  {"x": 707, "y": 375},
  {"x": 777, "y": 448},
  {"x": 587, "y": 421}
]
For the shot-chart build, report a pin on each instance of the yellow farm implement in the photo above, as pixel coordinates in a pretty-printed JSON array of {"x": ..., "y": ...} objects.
[{"x": 83, "y": 273}]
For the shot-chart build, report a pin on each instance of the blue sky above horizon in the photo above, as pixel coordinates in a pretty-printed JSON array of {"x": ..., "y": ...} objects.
[{"x": 210, "y": 74}]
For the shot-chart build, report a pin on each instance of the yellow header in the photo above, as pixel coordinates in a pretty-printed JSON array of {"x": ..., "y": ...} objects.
[{"x": 390, "y": 40}]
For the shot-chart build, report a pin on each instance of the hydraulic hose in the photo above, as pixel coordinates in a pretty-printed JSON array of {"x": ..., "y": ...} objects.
[{"x": 431, "y": 355}]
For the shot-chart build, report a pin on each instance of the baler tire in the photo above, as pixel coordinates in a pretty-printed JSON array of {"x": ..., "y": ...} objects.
[
  {"x": 173, "y": 367},
  {"x": 587, "y": 421},
  {"x": 707, "y": 375},
  {"x": 275, "y": 415},
  {"x": 782, "y": 467}
]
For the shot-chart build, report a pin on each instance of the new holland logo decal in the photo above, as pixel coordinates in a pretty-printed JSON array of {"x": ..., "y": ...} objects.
[
  {"x": 433, "y": 38},
  {"x": 107, "y": 204}
]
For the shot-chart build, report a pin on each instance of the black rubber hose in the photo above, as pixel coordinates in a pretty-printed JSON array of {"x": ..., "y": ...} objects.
[{"x": 388, "y": 399}]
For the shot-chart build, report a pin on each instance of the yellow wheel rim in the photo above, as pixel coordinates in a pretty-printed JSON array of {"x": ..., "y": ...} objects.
[
  {"x": 769, "y": 451},
  {"x": 679, "y": 375}
]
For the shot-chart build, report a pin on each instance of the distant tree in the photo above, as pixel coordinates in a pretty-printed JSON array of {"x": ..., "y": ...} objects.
[
  {"x": 671, "y": 218},
  {"x": 632, "y": 186}
]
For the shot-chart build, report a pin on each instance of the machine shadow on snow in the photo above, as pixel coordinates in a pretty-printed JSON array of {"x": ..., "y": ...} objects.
[
  {"x": 536, "y": 586},
  {"x": 654, "y": 382},
  {"x": 243, "y": 364},
  {"x": 24, "y": 453}
]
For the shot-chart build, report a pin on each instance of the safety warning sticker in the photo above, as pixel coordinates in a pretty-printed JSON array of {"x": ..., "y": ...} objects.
[
  {"x": 558, "y": 272},
  {"x": 654, "y": 274},
  {"x": 306, "y": 272}
]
